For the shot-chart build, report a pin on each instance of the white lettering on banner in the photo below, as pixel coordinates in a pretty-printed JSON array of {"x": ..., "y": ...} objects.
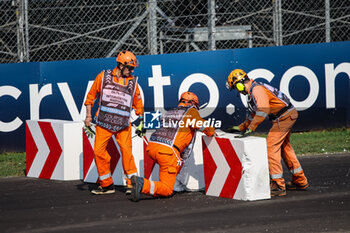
[
  {"x": 209, "y": 83},
  {"x": 133, "y": 116},
  {"x": 83, "y": 108},
  {"x": 310, "y": 77},
  {"x": 284, "y": 84},
  {"x": 35, "y": 97},
  {"x": 72, "y": 107},
  {"x": 254, "y": 74},
  {"x": 261, "y": 73},
  {"x": 16, "y": 123},
  {"x": 70, "y": 103},
  {"x": 157, "y": 82},
  {"x": 331, "y": 74}
]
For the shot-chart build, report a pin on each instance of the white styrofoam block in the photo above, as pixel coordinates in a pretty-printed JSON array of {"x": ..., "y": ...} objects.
[
  {"x": 59, "y": 149},
  {"x": 252, "y": 154}
]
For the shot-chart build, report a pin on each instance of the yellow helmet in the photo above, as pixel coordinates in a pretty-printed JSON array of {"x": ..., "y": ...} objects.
[{"x": 235, "y": 80}]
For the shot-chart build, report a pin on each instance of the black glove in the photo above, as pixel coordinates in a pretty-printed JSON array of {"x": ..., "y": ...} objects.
[
  {"x": 244, "y": 134},
  {"x": 140, "y": 131},
  {"x": 89, "y": 132},
  {"x": 233, "y": 129}
]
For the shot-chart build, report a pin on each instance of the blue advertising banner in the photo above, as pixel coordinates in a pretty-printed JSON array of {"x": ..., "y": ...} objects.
[{"x": 315, "y": 77}]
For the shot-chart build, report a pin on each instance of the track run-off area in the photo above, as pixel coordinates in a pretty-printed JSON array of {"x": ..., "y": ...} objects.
[{"x": 39, "y": 205}]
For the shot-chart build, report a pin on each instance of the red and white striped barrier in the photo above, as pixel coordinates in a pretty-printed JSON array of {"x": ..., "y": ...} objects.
[
  {"x": 236, "y": 168},
  {"x": 190, "y": 178},
  {"x": 60, "y": 150},
  {"x": 233, "y": 168},
  {"x": 53, "y": 149},
  {"x": 145, "y": 165}
]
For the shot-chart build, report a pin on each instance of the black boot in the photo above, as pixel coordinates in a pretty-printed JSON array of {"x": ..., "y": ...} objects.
[
  {"x": 137, "y": 184},
  {"x": 276, "y": 190}
]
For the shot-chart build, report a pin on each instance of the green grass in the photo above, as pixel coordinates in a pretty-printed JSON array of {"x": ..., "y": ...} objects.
[
  {"x": 321, "y": 142},
  {"x": 12, "y": 164},
  {"x": 306, "y": 143}
]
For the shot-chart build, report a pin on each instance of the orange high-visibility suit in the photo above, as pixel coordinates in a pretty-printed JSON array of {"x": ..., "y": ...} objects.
[
  {"x": 168, "y": 158},
  {"x": 103, "y": 135},
  {"x": 277, "y": 140}
]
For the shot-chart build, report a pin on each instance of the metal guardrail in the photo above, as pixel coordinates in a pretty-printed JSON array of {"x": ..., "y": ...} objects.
[{"x": 49, "y": 30}]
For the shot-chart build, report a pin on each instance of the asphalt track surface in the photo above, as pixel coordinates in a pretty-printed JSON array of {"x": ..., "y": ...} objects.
[{"x": 38, "y": 205}]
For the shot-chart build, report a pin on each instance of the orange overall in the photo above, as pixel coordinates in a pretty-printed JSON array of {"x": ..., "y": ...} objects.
[
  {"x": 123, "y": 137},
  {"x": 278, "y": 144},
  {"x": 167, "y": 157}
]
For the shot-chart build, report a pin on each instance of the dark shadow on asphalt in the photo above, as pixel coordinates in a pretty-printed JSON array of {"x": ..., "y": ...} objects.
[
  {"x": 90, "y": 186},
  {"x": 68, "y": 206}
]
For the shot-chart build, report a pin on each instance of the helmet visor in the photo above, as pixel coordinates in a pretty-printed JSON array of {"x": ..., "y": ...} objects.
[
  {"x": 189, "y": 103},
  {"x": 130, "y": 68}
]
